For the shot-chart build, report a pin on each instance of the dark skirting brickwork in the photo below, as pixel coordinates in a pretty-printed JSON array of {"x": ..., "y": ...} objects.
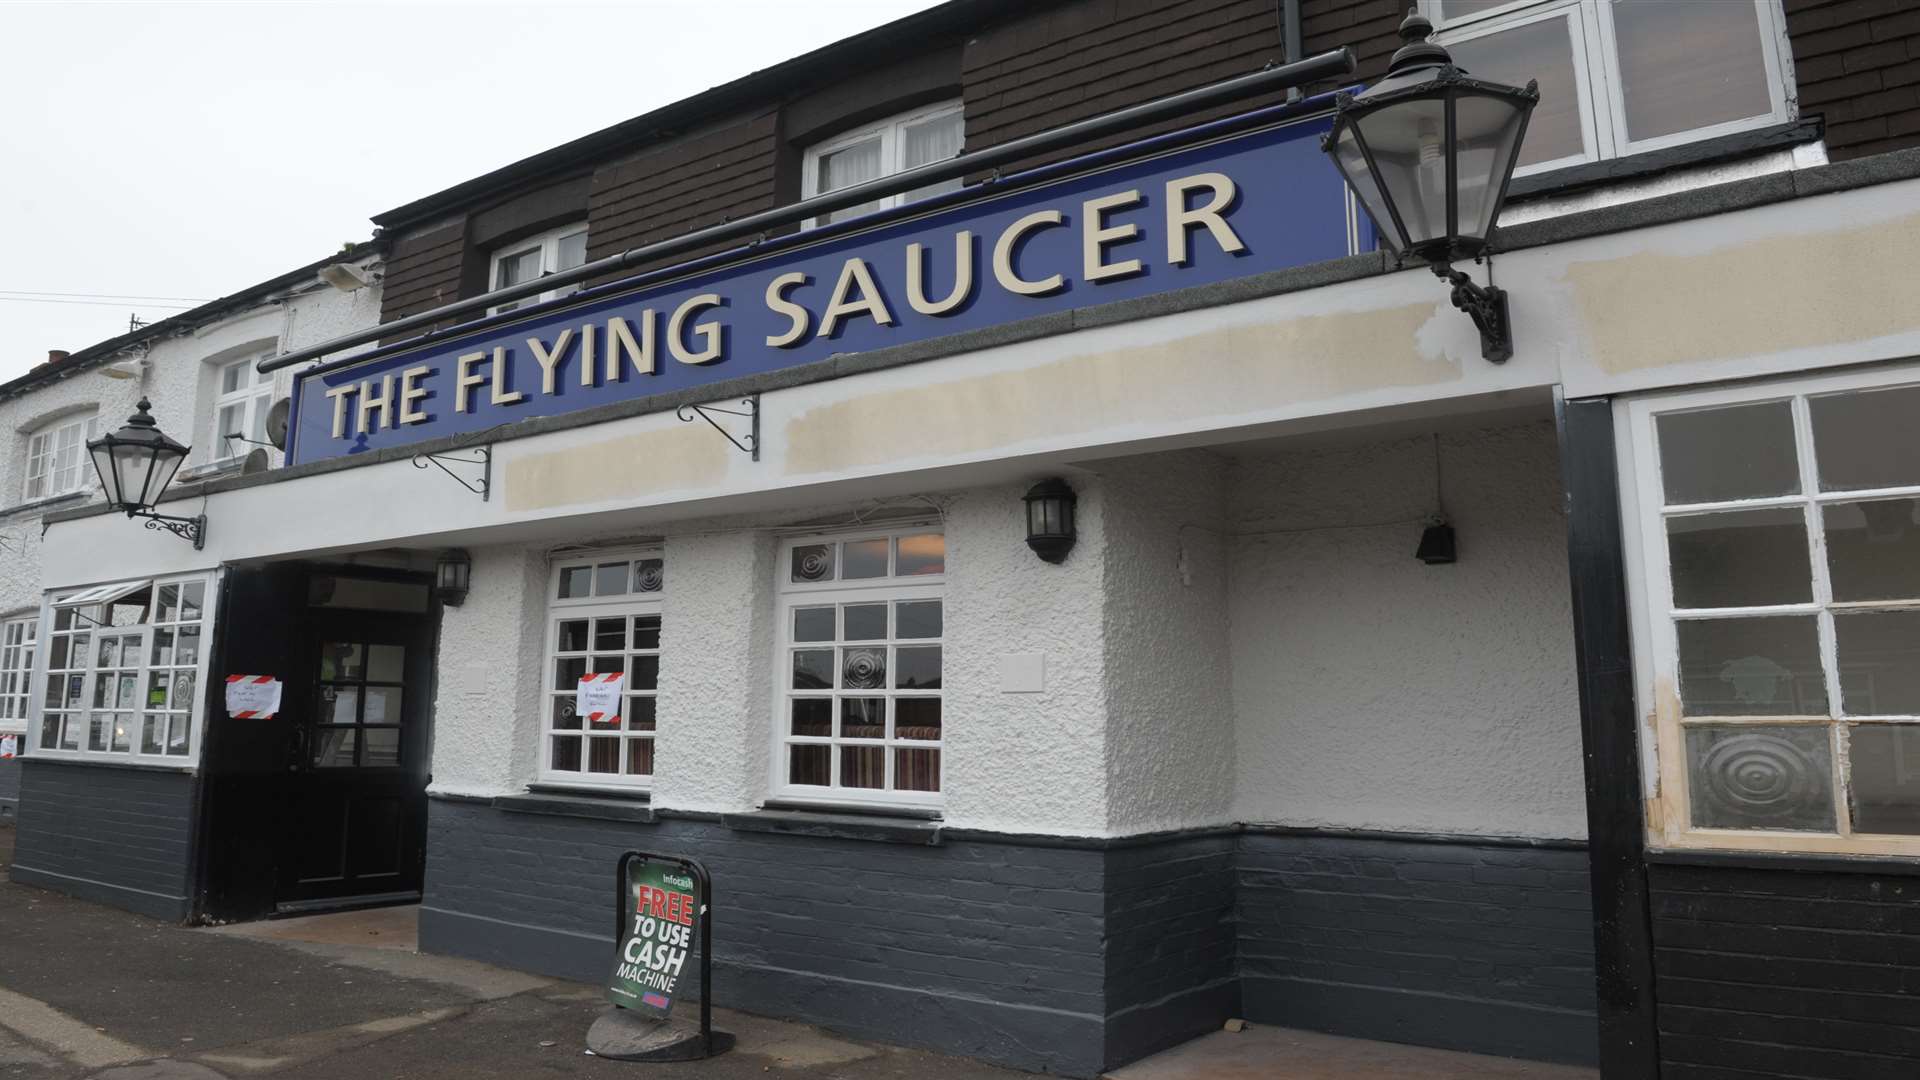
[
  {"x": 9, "y": 787},
  {"x": 1468, "y": 946},
  {"x": 1776, "y": 972},
  {"x": 1170, "y": 943},
  {"x": 119, "y": 836}
]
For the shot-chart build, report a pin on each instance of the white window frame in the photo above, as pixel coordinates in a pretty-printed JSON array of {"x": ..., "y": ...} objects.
[
  {"x": 18, "y": 639},
  {"x": 624, "y": 606},
  {"x": 892, "y": 151},
  {"x": 548, "y": 244},
  {"x": 1593, "y": 37},
  {"x": 252, "y": 395},
  {"x": 791, "y": 595},
  {"x": 42, "y": 458},
  {"x": 86, "y": 619},
  {"x": 1656, "y": 649}
]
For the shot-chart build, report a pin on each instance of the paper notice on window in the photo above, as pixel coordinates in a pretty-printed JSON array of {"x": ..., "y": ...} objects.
[
  {"x": 598, "y": 698},
  {"x": 9, "y": 746},
  {"x": 252, "y": 696}
]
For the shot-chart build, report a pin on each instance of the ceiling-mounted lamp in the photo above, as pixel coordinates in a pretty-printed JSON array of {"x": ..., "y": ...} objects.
[
  {"x": 1429, "y": 152},
  {"x": 1436, "y": 543}
]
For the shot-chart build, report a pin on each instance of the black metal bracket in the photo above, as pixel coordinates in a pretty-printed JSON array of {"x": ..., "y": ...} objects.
[
  {"x": 186, "y": 528},
  {"x": 1486, "y": 305},
  {"x": 483, "y": 458},
  {"x": 752, "y": 445}
]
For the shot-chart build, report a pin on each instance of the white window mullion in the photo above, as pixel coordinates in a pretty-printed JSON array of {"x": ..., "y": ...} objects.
[{"x": 1823, "y": 599}]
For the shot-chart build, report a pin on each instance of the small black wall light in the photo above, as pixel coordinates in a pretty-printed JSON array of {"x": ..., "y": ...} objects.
[
  {"x": 1436, "y": 544},
  {"x": 1050, "y": 529},
  {"x": 136, "y": 463},
  {"x": 452, "y": 575},
  {"x": 1429, "y": 152}
]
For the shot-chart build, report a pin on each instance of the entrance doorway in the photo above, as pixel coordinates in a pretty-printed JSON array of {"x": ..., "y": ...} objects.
[{"x": 324, "y": 805}]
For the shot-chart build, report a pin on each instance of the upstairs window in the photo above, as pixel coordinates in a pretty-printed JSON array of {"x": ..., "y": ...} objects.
[
  {"x": 240, "y": 409},
  {"x": 537, "y": 256},
  {"x": 1620, "y": 77},
  {"x": 893, "y": 145},
  {"x": 57, "y": 462}
]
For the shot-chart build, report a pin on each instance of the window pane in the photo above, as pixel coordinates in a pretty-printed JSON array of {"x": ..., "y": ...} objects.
[
  {"x": 863, "y": 718},
  {"x": 1760, "y": 778},
  {"x": 1866, "y": 439},
  {"x": 123, "y": 732},
  {"x": 566, "y": 753},
  {"x": 230, "y": 377},
  {"x": 863, "y": 669},
  {"x": 866, "y": 622},
  {"x": 812, "y": 562},
  {"x": 154, "y": 738},
  {"x": 809, "y": 765},
  {"x": 182, "y": 691},
  {"x": 1879, "y": 662},
  {"x": 649, "y": 575},
  {"x": 916, "y": 770},
  {"x": 572, "y": 251},
  {"x": 646, "y": 631},
  {"x": 916, "y": 718},
  {"x": 863, "y": 767},
  {"x": 609, "y": 635},
  {"x": 813, "y": 669},
  {"x": 924, "y": 554},
  {"x": 386, "y": 663},
  {"x": 576, "y": 581},
  {"x": 565, "y": 717},
  {"x": 929, "y": 141},
  {"x": 567, "y": 671},
  {"x": 167, "y": 604},
  {"x": 863, "y": 559},
  {"x": 1766, "y": 666},
  {"x": 1873, "y": 549},
  {"x": 642, "y": 713},
  {"x": 1740, "y": 559},
  {"x": 517, "y": 267},
  {"x": 640, "y": 757},
  {"x": 610, "y": 579},
  {"x": 1886, "y": 778},
  {"x": 573, "y": 636},
  {"x": 813, "y": 624},
  {"x": 917, "y": 619},
  {"x": 603, "y": 755},
  {"x": 1687, "y": 66},
  {"x": 186, "y": 651},
  {"x": 643, "y": 673},
  {"x": 179, "y": 733},
  {"x": 1541, "y": 50},
  {"x": 847, "y": 166},
  {"x": 813, "y": 717},
  {"x": 1741, "y": 452},
  {"x": 917, "y": 668},
  {"x": 162, "y": 647},
  {"x": 192, "y": 595}
]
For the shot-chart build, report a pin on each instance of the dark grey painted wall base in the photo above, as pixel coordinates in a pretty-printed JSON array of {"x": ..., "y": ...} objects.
[
  {"x": 9, "y": 787},
  {"x": 1069, "y": 960},
  {"x": 140, "y": 902},
  {"x": 114, "y": 835}
]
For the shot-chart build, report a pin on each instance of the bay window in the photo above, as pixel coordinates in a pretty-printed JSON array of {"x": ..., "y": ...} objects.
[
  {"x": 603, "y": 620},
  {"x": 124, "y": 667},
  {"x": 859, "y": 706},
  {"x": 1780, "y": 541},
  {"x": 1619, "y": 77},
  {"x": 893, "y": 145}
]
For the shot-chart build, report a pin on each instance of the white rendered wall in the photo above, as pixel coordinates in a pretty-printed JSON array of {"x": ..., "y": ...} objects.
[
  {"x": 1376, "y": 692},
  {"x": 487, "y": 708}
]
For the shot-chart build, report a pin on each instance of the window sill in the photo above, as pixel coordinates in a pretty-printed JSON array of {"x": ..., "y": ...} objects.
[
  {"x": 598, "y": 806},
  {"x": 47, "y": 503},
  {"x": 839, "y": 824},
  {"x": 43, "y": 757},
  {"x": 1786, "y": 862},
  {"x": 1636, "y": 166}
]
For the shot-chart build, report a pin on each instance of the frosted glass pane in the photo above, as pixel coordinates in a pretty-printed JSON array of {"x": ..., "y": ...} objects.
[
  {"x": 1760, "y": 778},
  {"x": 1687, "y": 66},
  {"x": 1763, "y": 666}
]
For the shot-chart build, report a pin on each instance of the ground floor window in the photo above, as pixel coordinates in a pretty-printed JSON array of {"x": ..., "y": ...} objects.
[
  {"x": 124, "y": 664},
  {"x": 859, "y": 709},
  {"x": 604, "y": 630},
  {"x": 1780, "y": 533},
  {"x": 17, "y": 637}
]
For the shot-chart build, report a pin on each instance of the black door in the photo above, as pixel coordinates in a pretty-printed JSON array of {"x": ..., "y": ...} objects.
[{"x": 355, "y": 825}]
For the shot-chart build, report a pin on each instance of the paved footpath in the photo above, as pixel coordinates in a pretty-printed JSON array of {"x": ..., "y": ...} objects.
[{"x": 89, "y": 991}]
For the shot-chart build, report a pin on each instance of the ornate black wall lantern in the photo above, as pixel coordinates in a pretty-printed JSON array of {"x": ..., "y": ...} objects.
[
  {"x": 1050, "y": 530},
  {"x": 453, "y": 574},
  {"x": 136, "y": 463},
  {"x": 1429, "y": 152}
]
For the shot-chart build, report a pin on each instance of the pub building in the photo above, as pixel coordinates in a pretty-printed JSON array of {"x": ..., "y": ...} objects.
[{"x": 1102, "y": 583}]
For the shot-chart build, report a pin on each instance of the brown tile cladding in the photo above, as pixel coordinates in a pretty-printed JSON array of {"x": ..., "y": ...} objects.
[
  {"x": 1857, "y": 63},
  {"x": 423, "y": 270}
]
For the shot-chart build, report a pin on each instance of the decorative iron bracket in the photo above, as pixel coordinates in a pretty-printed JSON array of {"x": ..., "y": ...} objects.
[
  {"x": 1486, "y": 305},
  {"x": 752, "y": 444},
  {"x": 483, "y": 458},
  {"x": 186, "y": 528}
]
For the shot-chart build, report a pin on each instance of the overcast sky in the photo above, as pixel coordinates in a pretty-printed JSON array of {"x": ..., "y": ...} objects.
[{"x": 187, "y": 151}]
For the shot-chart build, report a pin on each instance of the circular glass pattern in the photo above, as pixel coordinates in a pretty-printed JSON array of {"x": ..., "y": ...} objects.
[
  {"x": 813, "y": 562},
  {"x": 864, "y": 669},
  {"x": 648, "y": 575},
  {"x": 1761, "y": 778}
]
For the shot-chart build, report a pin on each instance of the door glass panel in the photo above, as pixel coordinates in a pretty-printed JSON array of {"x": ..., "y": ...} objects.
[
  {"x": 333, "y": 747},
  {"x": 383, "y": 705},
  {"x": 340, "y": 660},
  {"x": 1879, "y": 659},
  {"x": 1717, "y": 455},
  {"x": 1866, "y": 439},
  {"x": 386, "y": 663},
  {"x": 1744, "y": 558},
  {"x": 1687, "y": 66},
  {"x": 1885, "y": 759},
  {"x": 382, "y": 747},
  {"x": 1751, "y": 667},
  {"x": 1541, "y": 50},
  {"x": 1760, "y": 778},
  {"x": 339, "y": 704},
  {"x": 1873, "y": 549}
]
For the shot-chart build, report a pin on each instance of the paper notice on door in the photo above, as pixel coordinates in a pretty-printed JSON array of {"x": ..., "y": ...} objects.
[
  {"x": 252, "y": 696},
  {"x": 9, "y": 746},
  {"x": 598, "y": 698}
]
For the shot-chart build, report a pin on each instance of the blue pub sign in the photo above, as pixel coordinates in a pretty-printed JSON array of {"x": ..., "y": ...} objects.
[{"x": 1120, "y": 225}]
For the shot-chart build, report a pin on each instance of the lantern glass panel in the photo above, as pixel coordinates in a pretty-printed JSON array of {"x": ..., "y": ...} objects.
[
  {"x": 103, "y": 467},
  {"x": 1486, "y": 133},
  {"x": 164, "y": 465},
  {"x": 1353, "y": 162},
  {"x": 131, "y": 468},
  {"x": 1408, "y": 139}
]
